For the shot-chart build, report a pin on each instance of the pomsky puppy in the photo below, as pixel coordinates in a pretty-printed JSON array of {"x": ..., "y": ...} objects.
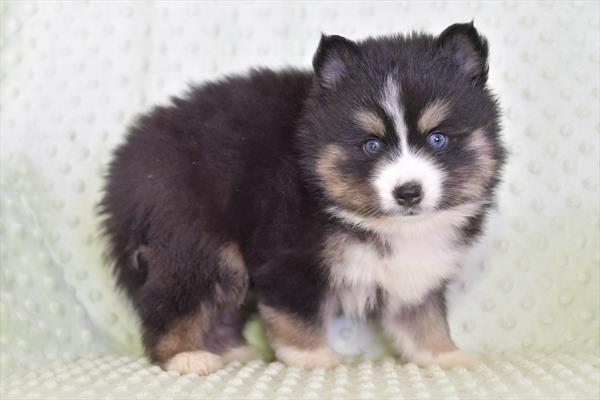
[{"x": 358, "y": 187}]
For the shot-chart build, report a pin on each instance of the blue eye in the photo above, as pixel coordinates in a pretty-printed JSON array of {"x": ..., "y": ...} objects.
[
  {"x": 372, "y": 146},
  {"x": 437, "y": 140}
]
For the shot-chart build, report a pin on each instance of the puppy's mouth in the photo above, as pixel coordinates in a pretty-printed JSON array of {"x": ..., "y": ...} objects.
[
  {"x": 395, "y": 213},
  {"x": 410, "y": 211},
  {"x": 403, "y": 211}
]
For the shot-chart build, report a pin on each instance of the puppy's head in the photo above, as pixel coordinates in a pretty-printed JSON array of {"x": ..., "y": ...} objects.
[{"x": 403, "y": 125}]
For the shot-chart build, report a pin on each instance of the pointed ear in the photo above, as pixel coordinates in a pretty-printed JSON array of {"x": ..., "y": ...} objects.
[
  {"x": 467, "y": 49},
  {"x": 332, "y": 59}
]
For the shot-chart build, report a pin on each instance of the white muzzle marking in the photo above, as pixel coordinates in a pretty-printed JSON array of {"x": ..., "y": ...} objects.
[{"x": 409, "y": 167}]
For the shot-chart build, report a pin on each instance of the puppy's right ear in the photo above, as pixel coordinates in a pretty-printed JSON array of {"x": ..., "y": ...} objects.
[{"x": 332, "y": 59}]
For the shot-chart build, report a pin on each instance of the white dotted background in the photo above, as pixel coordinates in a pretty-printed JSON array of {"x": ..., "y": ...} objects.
[{"x": 74, "y": 74}]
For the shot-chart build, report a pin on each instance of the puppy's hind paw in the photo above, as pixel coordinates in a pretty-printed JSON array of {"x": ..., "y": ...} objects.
[
  {"x": 242, "y": 354},
  {"x": 194, "y": 362}
]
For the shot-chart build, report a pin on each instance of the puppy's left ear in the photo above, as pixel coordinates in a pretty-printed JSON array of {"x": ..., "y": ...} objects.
[
  {"x": 333, "y": 58},
  {"x": 467, "y": 49}
]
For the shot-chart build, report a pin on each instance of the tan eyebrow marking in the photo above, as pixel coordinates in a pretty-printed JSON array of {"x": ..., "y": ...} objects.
[
  {"x": 433, "y": 115},
  {"x": 370, "y": 122}
]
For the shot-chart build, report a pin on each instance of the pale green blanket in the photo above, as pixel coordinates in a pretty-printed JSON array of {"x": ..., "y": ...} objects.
[{"x": 73, "y": 74}]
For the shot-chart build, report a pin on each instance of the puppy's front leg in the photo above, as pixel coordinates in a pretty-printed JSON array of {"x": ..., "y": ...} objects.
[
  {"x": 421, "y": 333},
  {"x": 298, "y": 341}
]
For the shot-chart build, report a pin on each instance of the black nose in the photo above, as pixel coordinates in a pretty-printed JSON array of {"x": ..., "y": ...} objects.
[{"x": 408, "y": 194}]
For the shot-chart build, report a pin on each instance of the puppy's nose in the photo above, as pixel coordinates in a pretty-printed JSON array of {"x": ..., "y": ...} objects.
[{"x": 408, "y": 194}]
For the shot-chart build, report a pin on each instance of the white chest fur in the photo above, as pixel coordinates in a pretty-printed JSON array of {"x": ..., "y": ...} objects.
[{"x": 419, "y": 258}]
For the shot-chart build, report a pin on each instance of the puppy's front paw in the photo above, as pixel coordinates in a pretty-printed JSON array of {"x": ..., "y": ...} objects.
[
  {"x": 194, "y": 362},
  {"x": 446, "y": 360},
  {"x": 322, "y": 357},
  {"x": 456, "y": 358}
]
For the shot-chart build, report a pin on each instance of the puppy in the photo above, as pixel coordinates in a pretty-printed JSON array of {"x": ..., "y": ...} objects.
[{"x": 358, "y": 187}]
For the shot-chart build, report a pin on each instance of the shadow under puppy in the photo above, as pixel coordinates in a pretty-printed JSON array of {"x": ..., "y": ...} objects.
[{"x": 358, "y": 187}]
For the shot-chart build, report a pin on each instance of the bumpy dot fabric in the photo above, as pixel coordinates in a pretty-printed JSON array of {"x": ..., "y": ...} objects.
[
  {"x": 521, "y": 374},
  {"x": 74, "y": 74}
]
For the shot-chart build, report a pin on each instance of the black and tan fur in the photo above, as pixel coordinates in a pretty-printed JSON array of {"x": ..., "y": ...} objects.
[{"x": 255, "y": 193}]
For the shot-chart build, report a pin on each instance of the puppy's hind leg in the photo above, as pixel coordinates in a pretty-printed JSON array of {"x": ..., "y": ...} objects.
[
  {"x": 226, "y": 338},
  {"x": 187, "y": 297}
]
